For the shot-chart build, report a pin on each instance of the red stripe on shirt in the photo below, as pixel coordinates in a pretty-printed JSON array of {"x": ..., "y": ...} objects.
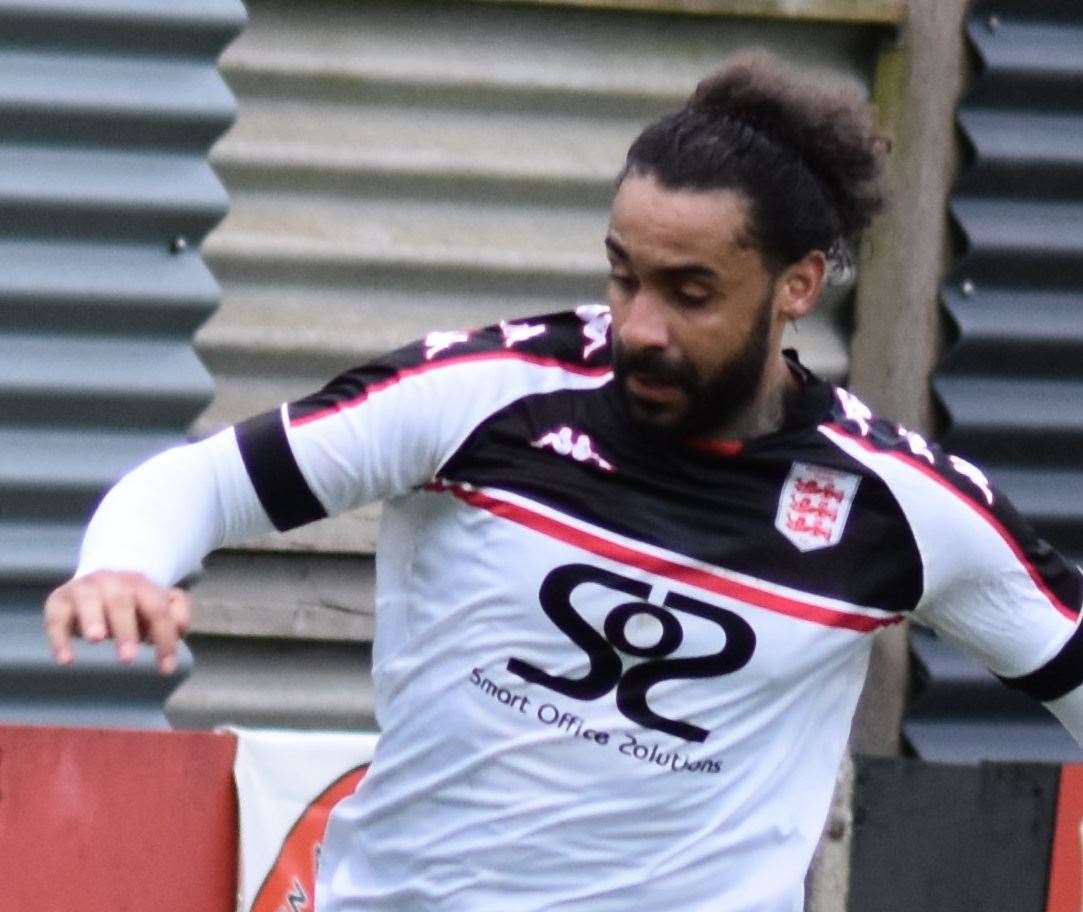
[
  {"x": 540, "y": 360},
  {"x": 660, "y": 566},
  {"x": 929, "y": 472}
]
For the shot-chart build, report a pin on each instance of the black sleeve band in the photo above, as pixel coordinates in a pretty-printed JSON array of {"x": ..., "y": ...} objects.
[
  {"x": 279, "y": 484},
  {"x": 1060, "y": 675}
]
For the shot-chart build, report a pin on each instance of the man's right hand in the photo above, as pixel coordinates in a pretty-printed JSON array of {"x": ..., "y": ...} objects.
[{"x": 126, "y": 607}]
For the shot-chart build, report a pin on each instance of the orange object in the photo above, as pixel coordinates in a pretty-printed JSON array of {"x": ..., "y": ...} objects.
[
  {"x": 291, "y": 882},
  {"x": 120, "y": 820},
  {"x": 1066, "y": 867}
]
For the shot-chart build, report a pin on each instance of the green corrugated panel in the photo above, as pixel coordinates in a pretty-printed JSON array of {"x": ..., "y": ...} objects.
[
  {"x": 1011, "y": 382},
  {"x": 108, "y": 110}
]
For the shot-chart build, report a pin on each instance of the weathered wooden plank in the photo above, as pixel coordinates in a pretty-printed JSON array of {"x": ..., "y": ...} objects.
[
  {"x": 313, "y": 597},
  {"x": 868, "y": 12}
]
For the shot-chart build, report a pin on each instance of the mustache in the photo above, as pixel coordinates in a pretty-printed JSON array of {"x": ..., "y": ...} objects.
[{"x": 653, "y": 365}]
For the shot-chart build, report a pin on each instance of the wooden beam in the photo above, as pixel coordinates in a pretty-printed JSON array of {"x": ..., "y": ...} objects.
[
  {"x": 863, "y": 12},
  {"x": 905, "y": 256},
  {"x": 897, "y": 334}
]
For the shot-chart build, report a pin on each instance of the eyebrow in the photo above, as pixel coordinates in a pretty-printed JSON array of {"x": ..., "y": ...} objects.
[{"x": 684, "y": 270}]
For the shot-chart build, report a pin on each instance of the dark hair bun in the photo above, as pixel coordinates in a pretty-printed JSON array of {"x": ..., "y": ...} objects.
[{"x": 826, "y": 120}]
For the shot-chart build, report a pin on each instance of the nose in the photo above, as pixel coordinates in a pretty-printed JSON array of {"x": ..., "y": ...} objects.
[{"x": 644, "y": 325}]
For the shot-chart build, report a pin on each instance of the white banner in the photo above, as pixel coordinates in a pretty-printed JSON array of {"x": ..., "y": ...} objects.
[{"x": 287, "y": 783}]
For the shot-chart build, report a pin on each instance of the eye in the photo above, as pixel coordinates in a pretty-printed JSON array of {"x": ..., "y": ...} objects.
[
  {"x": 624, "y": 282},
  {"x": 692, "y": 299}
]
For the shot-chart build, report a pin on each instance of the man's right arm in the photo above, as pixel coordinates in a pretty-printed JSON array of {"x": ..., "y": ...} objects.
[
  {"x": 373, "y": 432},
  {"x": 377, "y": 431},
  {"x": 150, "y": 531}
]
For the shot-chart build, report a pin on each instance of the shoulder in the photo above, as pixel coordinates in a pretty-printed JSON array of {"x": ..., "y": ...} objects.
[
  {"x": 514, "y": 357},
  {"x": 577, "y": 341},
  {"x": 907, "y": 457},
  {"x": 966, "y": 528}
]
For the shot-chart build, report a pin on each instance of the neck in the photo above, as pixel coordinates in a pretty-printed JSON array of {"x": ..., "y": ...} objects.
[{"x": 767, "y": 410}]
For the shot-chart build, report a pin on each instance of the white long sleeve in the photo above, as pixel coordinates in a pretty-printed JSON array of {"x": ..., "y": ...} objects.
[
  {"x": 375, "y": 432},
  {"x": 166, "y": 515}
]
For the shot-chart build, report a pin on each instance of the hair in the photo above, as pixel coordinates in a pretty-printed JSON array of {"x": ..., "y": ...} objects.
[{"x": 800, "y": 147}]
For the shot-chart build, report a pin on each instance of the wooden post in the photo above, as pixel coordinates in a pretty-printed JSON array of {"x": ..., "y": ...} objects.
[{"x": 897, "y": 337}]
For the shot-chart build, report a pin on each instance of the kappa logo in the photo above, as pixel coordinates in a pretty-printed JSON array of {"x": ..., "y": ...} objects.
[
  {"x": 596, "y": 320},
  {"x": 976, "y": 476},
  {"x": 855, "y": 410},
  {"x": 633, "y": 681},
  {"x": 437, "y": 342},
  {"x": 815, "y": 505},
  {"x": 515, "y": 333},
  {"x": 569, "y": 442}
]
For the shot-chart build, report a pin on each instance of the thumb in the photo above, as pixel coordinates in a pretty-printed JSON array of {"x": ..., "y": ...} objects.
[{"x": 179, "y": 604}]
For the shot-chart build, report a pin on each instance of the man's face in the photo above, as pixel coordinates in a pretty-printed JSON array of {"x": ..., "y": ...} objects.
[{"x": 694, "y": 316}]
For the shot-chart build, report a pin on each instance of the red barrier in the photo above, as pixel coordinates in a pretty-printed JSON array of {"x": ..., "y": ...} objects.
[
  {"x": 1066, "y": 866},
  {"x": 117, "y": 820}
]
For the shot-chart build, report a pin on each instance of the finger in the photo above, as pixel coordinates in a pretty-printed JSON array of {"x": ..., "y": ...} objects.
[
  {"x": 89, "y": 613},
  {"x": 60, "y": 624},
  {"x": 161, "y": 629},
  {"x": 180, "y": 606},
  {"x": 120, "y": 617}
]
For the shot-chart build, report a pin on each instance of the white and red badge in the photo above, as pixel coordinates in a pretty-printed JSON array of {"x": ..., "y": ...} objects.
[{"x": 814, "y": 505}]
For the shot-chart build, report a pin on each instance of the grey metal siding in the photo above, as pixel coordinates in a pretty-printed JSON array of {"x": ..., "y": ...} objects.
[
  {"x": 108, "y": 109},
  {"x": 1011, "y": 383}
]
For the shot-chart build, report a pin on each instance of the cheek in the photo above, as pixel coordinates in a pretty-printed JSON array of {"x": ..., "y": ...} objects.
[{"x": 708, "y": 345}]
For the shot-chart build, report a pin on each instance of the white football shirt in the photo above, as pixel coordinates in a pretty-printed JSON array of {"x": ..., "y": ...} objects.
[{"x": 613, "y": 671}]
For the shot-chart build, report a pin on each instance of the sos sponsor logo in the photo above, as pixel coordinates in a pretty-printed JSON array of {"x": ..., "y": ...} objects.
[{"x": 607, "y": 671}]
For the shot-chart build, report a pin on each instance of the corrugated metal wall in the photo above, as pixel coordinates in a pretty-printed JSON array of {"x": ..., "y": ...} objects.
[
  {"x": 107, "y": 111},
  {"x": 1012, "y": 381},
  {"x": 398, "y": 167}
]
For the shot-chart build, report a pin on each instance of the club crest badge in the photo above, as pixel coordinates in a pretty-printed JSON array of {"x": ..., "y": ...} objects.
[{"x": 815, "y": 505}]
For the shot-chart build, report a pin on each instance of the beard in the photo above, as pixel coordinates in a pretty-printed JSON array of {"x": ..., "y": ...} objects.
[{"x": 711, "y": 403}]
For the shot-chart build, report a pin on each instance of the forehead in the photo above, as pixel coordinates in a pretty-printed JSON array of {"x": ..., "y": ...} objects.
[{"x": 664, "y": 226}]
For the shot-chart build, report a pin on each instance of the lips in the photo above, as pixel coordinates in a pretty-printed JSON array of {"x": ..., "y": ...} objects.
[{"x": 644, "y": 386}]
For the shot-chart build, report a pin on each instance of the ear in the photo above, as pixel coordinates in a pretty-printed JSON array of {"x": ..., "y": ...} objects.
[{"x": 799, "y": 287}]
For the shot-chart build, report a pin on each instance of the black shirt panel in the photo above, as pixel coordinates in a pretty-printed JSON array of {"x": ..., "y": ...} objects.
[{"x": 719, "y": 509}]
